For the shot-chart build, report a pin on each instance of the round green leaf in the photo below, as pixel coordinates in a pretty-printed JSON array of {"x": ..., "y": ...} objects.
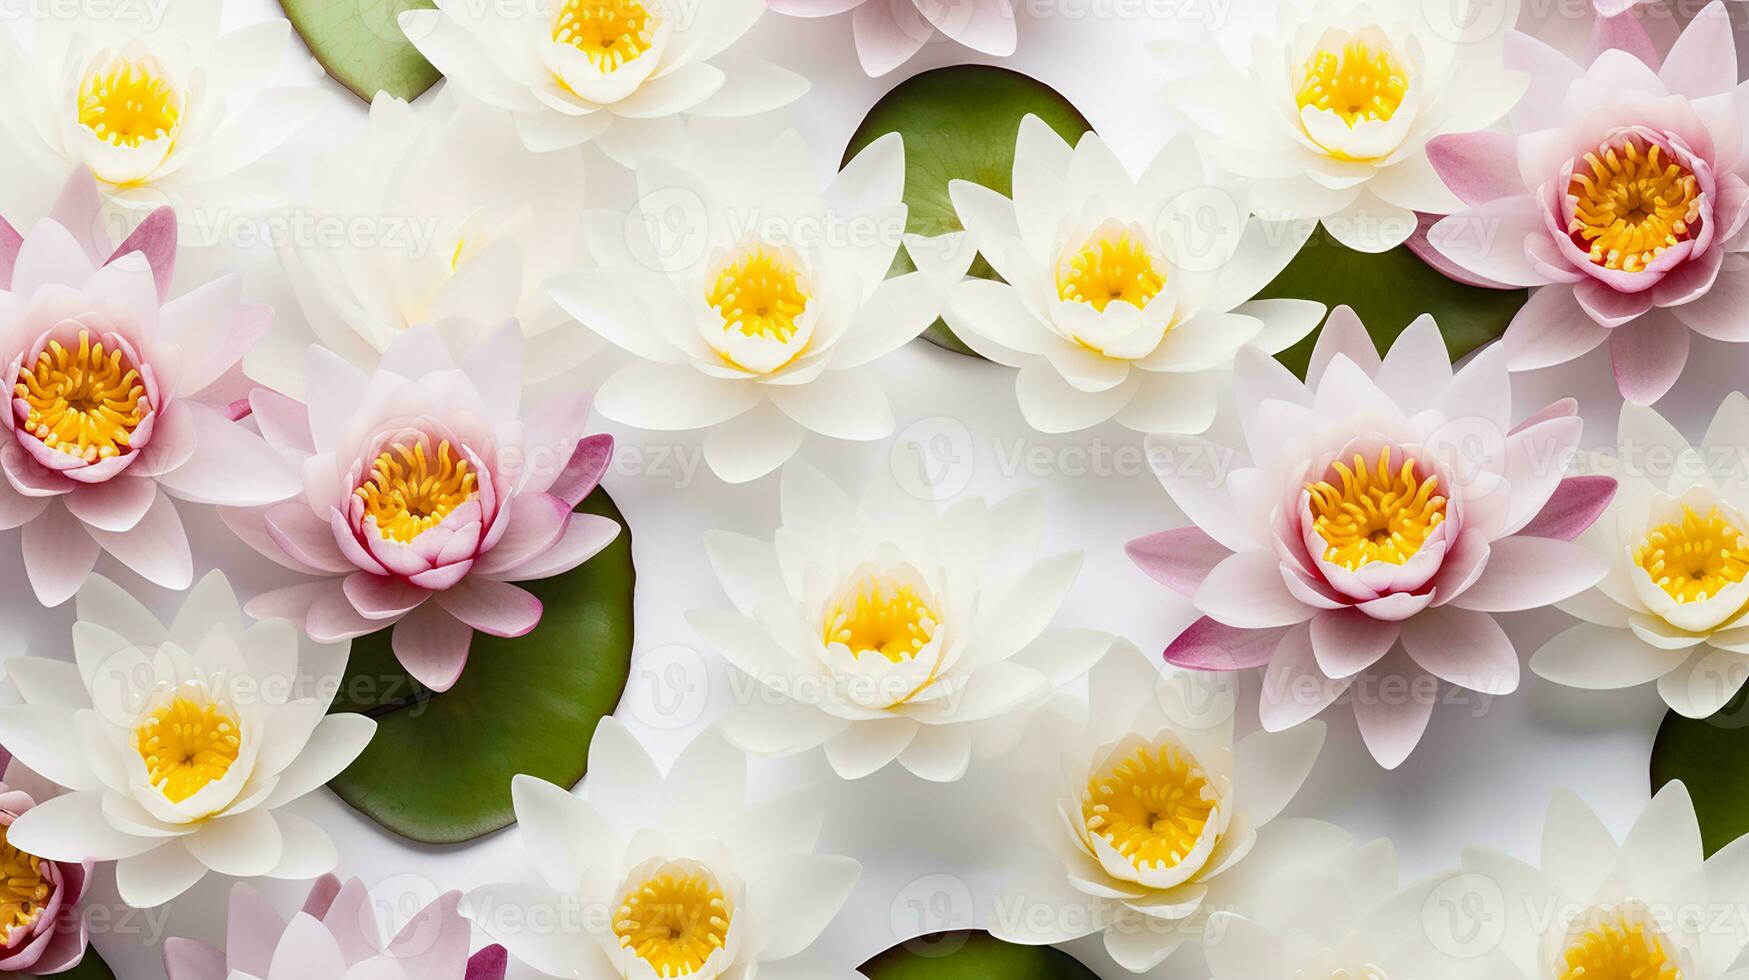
[
  {"x": 438, "y": 770},
  {"x": 972, "y": 956},
  {"x": 1711, "y": 757},
  {"x": 359, "y": 43},
  {"x": 1389, "y": 290},
  {"x": 959, "y": 123},
  {"x": 91, "y": 967}
]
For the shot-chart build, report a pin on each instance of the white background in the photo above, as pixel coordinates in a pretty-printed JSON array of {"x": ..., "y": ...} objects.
[{"x": 1483, "y": 774}]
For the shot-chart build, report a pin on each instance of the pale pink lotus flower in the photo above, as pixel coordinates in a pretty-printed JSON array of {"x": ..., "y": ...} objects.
[
  {"x": 41, "y": 928},
  {"x": 1374, "y": 520},
  {"x": 117, "y": 403},
  {"x": 1618, "y": 196},
  {"x": 336, "y": 936},
  {"x": 427, "y": 491},
  {"x": 889, "y": 32}
]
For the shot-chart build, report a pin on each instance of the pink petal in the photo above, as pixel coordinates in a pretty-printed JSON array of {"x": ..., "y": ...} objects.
[
  {"x": 305, "y": 539},
  {"x": 332, "y": 618},
  {"x": 1347, "y": 641},
  {"x": 1487, "y": 241},
  {"x": 492, "y": 607},
  {"x": 1559, "y": 409},
  {"x": 284, "y": 422},
  {"x": 1611, "y": 307},
  {"x": 155, "y": 238},
  {"x": 585, "y": 536},
  {"x": 534, "y": 522},
  {"x": 887, "y": 33},
  {"x": 582, "y": 474},
  {"x": 1703, "y": 61},
  {"x": 157, "y": 547},
  {"x": 1719, "y": 313},
  {"x": 1392, "y": 723},
  {"x": 1527, "y": 572},
  {"x": 1648, "y": 356},
  {"x": 321, "y": 896},
  {"x": 252, "y": 931},
  {"x": 443, "y": 577},
  {"x": 810, "y": 8},
  {"x": 186, "y": 959},
  {"x": 10, "y": 242},
  {"x": 1465, "y": 647},
  {"x": 433, "y": 646},
  {"x": 1577, "y": 503},
  {"x": 1294, "y": 687},
  {"x": 79, "y": 209},
  {"x": 114, "y": 505},
  {"x": 488, "y": 964},
  {"x": 1209, "y": 645},
  {"x": 58, "y": 554},
  {"x": 292, "y": 602},
  {"x": 1477, "y": 167},
  {"x": 1178, "y": 559},
  {"x": 982, "y": 25},
  {"x": 435, "y": 940},
  {"x": 1624, "y": 32},
  {"x": 1247, "y": 590},
  {"x": 379, "y": 597},
  {"x": 230, "y": 465},
  {"x": 1551, "y": 328}
]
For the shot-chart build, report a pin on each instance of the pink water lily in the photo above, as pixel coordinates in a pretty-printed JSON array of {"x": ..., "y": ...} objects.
[
  {"x": 117, "y": 397},
  {"x": 889, "y": 32},
  {"x": 1381, "y": 502},
  {"x": 335, "y": 937},
  {"x": 1619, "y": 196},
  {"x": 427, "y": 492},
  {"x": 45, "y": 933}
]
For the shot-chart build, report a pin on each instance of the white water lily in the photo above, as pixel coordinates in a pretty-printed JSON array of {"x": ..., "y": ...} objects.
[
  {"x": 462, "y": 223},
  {"x": 624, "y": 74},
  {"x": 676, "y": 875},
  {"x": 1676, "y": 540},
  {"x": 754, "y": 300},
  {"x": 1121, "y": 297},
  {"x": 160, "y": 104},
  {"x": 1151, "y": 816},
  {"x": 179, "y": 745},
  {"x": 884, "y": 630},
  {"x": 1649, "y": 906},
  {"x": 1331, "y": 115}
]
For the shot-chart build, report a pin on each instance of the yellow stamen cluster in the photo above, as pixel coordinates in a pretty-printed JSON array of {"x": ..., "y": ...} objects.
[
  {"x": 1696, "y": 557},
  {"x": 1380, "y": 513},
  {"x": 187, "y": 744},
  {"x": 409, "y": 492},
  {"x": 1619, "y": 945},
  {"x": 129, "y": 103},
  {"x": 674, "y": 920},
  {"x": 85, "y": 402},
  {"x": 1152, "y": 805},
  {"x": 1110, "y": 267},
  {"x": 23, "y": 888},
  {"x": 883, "y": 615},
  {"x": 760, "y": 294},
  {"x": 608, "y": 32},
  {"x": 1634, "y": 203},
  {"x": 1357, "y": 83}
]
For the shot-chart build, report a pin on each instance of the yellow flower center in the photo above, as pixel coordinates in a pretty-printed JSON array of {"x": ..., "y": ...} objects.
[
  {"x": 1151, "y": 805},
  {"x": 882, "y": 614},
  {"x": 1633, "y": 204},
  {"x": 1114, "y": 265},
  {"x": 608, "y": 32},
  {"x": 23, "y": 889},
  {"x": 674, "y": 919},
  {"x": 129, "y": 102},
  {"x": 1696, "y": 557},
  {"x": 1359, "y": 82},
  {"x": 409, "y": 492},
  {"x": 1378, "y": 514},
  {"x": 187, "y": 744},
  {"x": 1620, "y": 944},
  {"x": 760, "y": 294},
  {"x": 84, "y": 402}
]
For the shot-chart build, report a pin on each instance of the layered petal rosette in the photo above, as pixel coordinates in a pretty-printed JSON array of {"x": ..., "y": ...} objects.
[
  {"x": 154, "y": 98},
  {"x": 1331, "y": 117},
  {"x": 335, "y": 936},
  {"x": 118, "y": 398},
  {"x": 889, "y": 32},
  {"x": 1377, "y": 502},
  {"x": 1619, "y": 196},
  {"x": 1345, "y": 916},
  {"x": 427, "y": 493},
  {"x": 754, "y": 301},
  {"x": 1121, "y": 297},
  {"x": 884, "y": 630},
  {"x": 1674, "y": 607},
  {"x": 625, "y": 74},
  {"x": 462, "y": 222},
  {"x": 180, "y": 745},
  {"x": 1650, "y": 905},
  {"x": 42, "y": 929},
  {"x": 702, "y": 880},
  {"x": 1151, "y": 817}
]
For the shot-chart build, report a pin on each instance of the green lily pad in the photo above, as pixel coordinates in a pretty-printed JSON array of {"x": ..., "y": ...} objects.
[
  {"x": 359, "y": 43},
  {"x": 972, "y": 956},
  {"x": 1711, "y": 757},
  {"x": 438, "y": 770},
  {"x": 1389, "y": 290},
  {"x": 959, "y": 123},
  {"x": 91, "y": 967}
]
